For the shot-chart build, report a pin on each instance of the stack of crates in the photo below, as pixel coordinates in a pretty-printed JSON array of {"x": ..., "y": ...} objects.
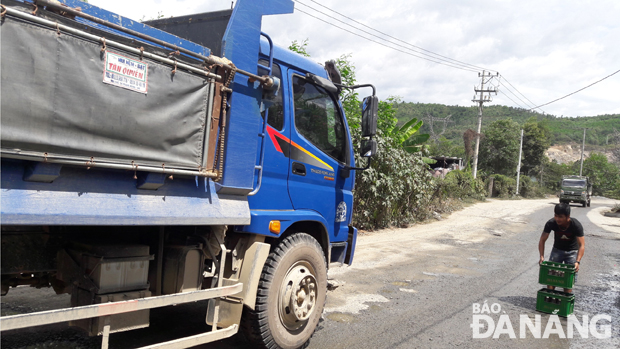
[{"x": 552, "y": 301}]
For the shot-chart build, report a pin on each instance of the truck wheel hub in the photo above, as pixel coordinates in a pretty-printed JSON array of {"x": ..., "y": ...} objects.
[{"x": 298, "y": 296}]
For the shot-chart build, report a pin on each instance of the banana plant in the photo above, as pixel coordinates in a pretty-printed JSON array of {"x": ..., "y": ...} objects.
[{"x": 406, "y": 137}]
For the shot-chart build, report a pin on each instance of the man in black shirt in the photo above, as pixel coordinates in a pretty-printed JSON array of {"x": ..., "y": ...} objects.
[{"x": 568, "y": 244}]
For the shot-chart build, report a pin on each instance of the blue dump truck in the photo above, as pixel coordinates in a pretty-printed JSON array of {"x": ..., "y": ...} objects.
[{"x": 185, "y": 159}]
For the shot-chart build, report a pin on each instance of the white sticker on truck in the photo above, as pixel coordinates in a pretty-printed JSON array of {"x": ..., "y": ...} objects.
[{"x": 125, "y": 72}]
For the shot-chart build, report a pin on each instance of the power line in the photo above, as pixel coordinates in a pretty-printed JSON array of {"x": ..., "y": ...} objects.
[
  {"x": 432, "y": 59},
  {"x": 513, "y": 101},
  {"x": 581, "y": 89},
  {"x": 440, "y": 59},
  {"x": 518, "y": 91},
  {"x": 382, "y": 44},
  {"x": 502, "y": 92},
  {"x": 514, "y": 94},
  {"x": 392, "y": 37}
]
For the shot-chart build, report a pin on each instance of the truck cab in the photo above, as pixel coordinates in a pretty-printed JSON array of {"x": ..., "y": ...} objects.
[{"x": 576, "y": 189}]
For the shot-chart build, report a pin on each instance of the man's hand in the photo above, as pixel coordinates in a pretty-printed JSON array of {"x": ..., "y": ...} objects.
[
  {"x": 577, "y": 267},
  {"x": 542, "y": 259}
]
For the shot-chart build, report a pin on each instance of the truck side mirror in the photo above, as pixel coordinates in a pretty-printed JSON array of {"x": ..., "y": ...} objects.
[
  {"x": 370, "y": 106},
  {"x": 369, "y": 148},
  {"x": 370, "y": 109}
]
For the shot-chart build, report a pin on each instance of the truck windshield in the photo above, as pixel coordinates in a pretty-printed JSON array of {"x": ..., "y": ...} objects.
[{"x": 574, "y": 183}]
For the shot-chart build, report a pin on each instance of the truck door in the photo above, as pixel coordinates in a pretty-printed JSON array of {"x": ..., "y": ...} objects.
[{"x": 319, "y": 150}]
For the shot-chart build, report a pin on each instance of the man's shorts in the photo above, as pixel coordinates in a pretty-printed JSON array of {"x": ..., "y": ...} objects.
[{"x": 566, "y": 257}]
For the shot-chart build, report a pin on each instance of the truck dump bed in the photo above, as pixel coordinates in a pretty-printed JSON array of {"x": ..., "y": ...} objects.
[
  {"x": 101, "y": 127},
  {"x": 67, "y": 97}
]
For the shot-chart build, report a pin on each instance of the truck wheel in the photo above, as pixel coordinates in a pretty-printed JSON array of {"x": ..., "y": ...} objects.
[
  {"x": 584, "y": 204},
  {"x": 588, "y": 203},
  {"x": 291, "y": 295}
]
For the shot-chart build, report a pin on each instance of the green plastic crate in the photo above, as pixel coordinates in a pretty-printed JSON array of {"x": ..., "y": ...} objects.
[
  {"x": 557, "y": 274},
  {"x": 555, "y": 302}
]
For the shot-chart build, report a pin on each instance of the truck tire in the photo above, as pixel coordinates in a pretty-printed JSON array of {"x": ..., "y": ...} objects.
[
  {"x": 588, "y": 203},
  {"x": 291, "y": 295},
  {"x": 584, "y": 204}
]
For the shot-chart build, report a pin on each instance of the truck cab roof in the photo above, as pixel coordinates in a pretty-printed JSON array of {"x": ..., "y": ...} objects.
[{"x": 293, "y": 59}]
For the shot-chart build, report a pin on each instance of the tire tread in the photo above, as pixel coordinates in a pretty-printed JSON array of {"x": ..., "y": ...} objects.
[{"x": 254, "y": 324}]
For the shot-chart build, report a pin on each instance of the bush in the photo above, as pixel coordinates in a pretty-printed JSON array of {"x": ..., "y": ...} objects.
[
  {"x": 461, "y": 184},
  {"x": 503, "y": 186},
  {"x": 529, "y": 188},
  {"x": 394, "y": 191}
]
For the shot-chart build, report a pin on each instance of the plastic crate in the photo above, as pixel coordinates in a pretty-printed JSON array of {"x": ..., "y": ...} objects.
[
  {"x": 555, "y": 302},
  {"x": 557, "y": 274}
]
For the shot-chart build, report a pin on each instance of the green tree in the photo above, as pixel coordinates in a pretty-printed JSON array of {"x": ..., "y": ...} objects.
[
  {"x": 535, "y": 143},
  {"x": 300, "y": 47},
  {"x": 553, "y": 172},
  {"x": 446, "y": 147},
  {"x": 499, "y": 147},
  {"x": 605, "y": 176}
]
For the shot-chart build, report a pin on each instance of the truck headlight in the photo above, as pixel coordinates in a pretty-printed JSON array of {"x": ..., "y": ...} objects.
[{"x": 561, "y": 191}]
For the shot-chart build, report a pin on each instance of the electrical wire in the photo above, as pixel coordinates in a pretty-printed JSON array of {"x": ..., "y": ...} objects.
[
  {"x": 514, "y": 94},
  {"x": 581, "y": 89},
  {"x": 393, "y": 48},
  {"x": 497, "y": 90},
  {"x": 518, "y": 90},
  {"x": 430, "y": 55},
  {"x": 443, "y": 58},
  {"x": 507, "y": 96}
]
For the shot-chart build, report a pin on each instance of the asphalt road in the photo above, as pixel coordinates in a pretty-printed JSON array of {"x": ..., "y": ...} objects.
[
  {"x": 426, "y": 299},
  {"x": 416, "y": 287}
]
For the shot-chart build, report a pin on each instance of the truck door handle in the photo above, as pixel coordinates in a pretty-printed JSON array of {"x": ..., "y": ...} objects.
[{"x": 299, "y": 169}]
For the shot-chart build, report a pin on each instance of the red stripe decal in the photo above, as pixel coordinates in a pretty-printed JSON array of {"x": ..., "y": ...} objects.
[{"x": 273, "y": 134}]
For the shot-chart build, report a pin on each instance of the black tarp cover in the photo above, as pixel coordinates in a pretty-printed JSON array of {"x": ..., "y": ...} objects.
[{"x": 54, "y": 101}]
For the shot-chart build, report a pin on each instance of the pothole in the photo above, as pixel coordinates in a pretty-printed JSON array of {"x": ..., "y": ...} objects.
[{"x": 355, "y": 303}]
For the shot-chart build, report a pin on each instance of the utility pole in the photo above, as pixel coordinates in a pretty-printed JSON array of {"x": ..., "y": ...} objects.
[
  {"x": 519, "y": 163},
  {"x": 431, "y": 119},
  {"x": 480, "y": 102},
  {"x": 583, "y": 145}
]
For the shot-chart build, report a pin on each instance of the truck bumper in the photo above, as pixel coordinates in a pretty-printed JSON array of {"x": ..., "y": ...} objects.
[{"x": 573, "y": 198}]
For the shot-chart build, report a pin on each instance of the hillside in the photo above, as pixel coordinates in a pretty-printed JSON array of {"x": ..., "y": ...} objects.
[
  {"x": 603, "y": 131},
  {"x": 567, "y": 153}
]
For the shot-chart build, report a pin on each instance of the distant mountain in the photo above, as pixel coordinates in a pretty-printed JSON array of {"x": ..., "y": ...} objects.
[{"x": 602, "y": 130}]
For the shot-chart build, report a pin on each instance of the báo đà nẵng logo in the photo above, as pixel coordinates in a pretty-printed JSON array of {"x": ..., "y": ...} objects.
[{"x": 486, "y": 324}]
